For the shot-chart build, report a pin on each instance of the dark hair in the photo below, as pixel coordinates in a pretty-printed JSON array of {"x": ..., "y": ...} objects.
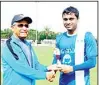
[{"x": 71, "y": 10}]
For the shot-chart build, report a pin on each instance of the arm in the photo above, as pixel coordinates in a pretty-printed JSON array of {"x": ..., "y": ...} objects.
[
  {"x": 21, "y": 67},
  {"x": 49, "y": 75},
  {"x": 90, "y": 53},
  {"x": 37, "y": 64}
]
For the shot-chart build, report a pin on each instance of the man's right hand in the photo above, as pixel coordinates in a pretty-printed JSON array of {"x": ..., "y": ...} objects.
[{"x": 50, "y": 75}]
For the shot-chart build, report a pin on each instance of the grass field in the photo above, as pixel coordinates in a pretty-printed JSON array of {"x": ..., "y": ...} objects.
[{"x": 45, "y": 56}]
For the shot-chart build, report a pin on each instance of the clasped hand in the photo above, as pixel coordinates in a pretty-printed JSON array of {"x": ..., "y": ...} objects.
[{"x": 54, "y": 68}]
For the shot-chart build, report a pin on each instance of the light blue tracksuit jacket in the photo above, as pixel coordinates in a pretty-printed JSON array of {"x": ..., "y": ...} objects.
[{"x": 18, "y": 72}]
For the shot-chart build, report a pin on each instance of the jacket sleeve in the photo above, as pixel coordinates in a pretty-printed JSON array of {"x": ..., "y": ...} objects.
[
  {"x": 90, "y": 53},
  {"x": 21, "y": 68}
]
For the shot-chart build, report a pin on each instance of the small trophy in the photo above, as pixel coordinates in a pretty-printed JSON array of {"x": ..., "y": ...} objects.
[{"x": 57, "y": 54}]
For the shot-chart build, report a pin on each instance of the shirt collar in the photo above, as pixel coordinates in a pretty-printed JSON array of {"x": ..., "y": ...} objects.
[{"x": 75, "y": 33}]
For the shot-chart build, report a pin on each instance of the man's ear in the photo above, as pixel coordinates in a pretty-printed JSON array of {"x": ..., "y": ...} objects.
[{"x": 12, "y": 28}]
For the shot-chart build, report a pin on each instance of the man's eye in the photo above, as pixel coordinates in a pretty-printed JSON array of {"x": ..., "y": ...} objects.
[
  {"x": 71, "y": 18},
  {"x": 65, "y": 19}
]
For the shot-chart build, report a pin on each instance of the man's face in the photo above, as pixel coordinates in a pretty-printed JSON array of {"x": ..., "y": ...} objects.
[
  {"x": 70, "y": 21},
  {"x": 20, "y": 29}
]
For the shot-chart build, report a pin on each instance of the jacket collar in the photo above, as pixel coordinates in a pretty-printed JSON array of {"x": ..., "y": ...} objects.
[{"x": 16, "y": 40}]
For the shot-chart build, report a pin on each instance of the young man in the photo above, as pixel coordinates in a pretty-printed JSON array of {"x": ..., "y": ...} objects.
[
  {"x": 77, "y": 53},
  {"x": 20, "y": 64}
]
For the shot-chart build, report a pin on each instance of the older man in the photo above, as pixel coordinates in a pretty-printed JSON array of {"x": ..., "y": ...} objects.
[{"x": 20, "y": 64}]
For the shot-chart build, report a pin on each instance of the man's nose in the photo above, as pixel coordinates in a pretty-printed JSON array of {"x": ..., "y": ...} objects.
[
  {"x": 68, "y": 21},
  {"x": 25, "y": 28}
]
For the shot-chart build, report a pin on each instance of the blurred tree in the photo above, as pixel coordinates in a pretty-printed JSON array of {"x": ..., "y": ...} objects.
[{"x": 45, "y": 34}]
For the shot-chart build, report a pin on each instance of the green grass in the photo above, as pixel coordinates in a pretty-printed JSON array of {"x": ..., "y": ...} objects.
[
  {"x": 93, "y": 76},
  {"x": 45, "y": 56}
]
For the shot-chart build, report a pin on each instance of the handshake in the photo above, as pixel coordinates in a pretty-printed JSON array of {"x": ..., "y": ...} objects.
[{"x": 54, "y": 68}]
